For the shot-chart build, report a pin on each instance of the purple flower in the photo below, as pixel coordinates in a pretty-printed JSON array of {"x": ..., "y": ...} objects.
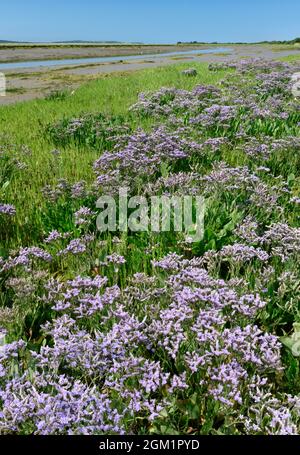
[
  {"x": 7, "y": 209},
  {"x": 115, "y": 259}
]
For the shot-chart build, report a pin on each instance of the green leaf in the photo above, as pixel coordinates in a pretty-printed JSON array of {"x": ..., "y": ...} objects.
[
  {"x": 5, "y": 185},
  {"x": 287, "y": 341}
]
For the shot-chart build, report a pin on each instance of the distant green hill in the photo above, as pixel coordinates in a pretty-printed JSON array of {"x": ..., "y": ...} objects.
[{"x": 70, "y": 42}]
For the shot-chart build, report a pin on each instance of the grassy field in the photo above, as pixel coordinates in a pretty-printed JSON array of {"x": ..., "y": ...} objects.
[
  {"x": 153, "y": 331},
  {"x": 25, "y": 124},
  {"x": 290, "y": 58}
]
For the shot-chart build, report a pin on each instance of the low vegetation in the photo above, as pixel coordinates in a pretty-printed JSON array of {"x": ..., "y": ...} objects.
[{"x": 145, "y": 332}]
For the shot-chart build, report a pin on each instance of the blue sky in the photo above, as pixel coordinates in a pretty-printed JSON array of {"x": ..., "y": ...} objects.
[{"x": 149, "y": 21}]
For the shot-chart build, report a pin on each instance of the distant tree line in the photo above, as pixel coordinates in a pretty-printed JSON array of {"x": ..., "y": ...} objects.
[{"x": 294, "y": 41}]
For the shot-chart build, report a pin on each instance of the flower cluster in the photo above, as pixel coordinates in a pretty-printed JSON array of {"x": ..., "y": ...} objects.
[{"x": 124, "y": 333}]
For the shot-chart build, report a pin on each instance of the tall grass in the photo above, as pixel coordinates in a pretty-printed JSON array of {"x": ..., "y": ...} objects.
[{"x": 25, "y": 123}]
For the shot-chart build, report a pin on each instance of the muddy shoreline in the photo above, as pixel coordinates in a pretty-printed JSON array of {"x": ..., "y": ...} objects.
[
  {"x": 9, "y": 54},
  {"x": 29, "y": 83}
]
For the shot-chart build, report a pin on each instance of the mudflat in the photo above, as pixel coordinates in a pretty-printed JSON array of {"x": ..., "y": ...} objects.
[
  {"x": 18, "y": 53},
  {"x": 37, "y": 82}
]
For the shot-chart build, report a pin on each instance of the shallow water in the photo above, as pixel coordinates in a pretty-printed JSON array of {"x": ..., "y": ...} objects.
[{"x": 78, "y": 61}]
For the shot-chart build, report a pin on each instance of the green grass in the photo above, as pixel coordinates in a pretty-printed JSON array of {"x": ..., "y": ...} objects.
[
  {"x": 27, "y": 298},
  {"x": 284, "y": 47},
  {"x": 290, "y": 58},
  {"x": 24, "y": 124},
  {"x": 16, "y": 90}
]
